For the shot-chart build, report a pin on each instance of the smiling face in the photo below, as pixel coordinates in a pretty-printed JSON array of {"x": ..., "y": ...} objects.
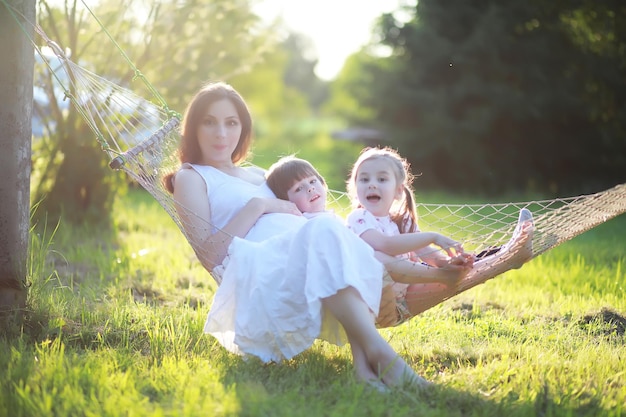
[
  {"x": 377, "y": 186},
  {"x": 219, "y": 133},
  {"x": 308, "y": 194}
]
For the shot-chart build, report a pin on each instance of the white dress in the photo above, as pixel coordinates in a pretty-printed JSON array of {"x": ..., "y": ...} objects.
[{"x": 269, "y": 303}]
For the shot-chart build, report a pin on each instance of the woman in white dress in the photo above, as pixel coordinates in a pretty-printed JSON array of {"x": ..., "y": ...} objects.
[{"x": 285, "y": 281}]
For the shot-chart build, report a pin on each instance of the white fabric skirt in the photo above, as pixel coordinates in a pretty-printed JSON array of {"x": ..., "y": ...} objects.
[{"x": 269, "y": 303}]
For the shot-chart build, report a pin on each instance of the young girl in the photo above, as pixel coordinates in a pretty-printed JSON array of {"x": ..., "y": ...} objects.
[
  {"x": 385, "y": 217},
  {"x": 384, "y": 214}
]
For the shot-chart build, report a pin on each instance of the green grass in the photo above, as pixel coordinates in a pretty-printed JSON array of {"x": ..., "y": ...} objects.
[{"x": 115, "y": 329}]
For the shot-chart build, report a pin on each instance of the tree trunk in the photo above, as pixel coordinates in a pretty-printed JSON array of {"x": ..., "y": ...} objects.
[{"x": 16, "y": 103}]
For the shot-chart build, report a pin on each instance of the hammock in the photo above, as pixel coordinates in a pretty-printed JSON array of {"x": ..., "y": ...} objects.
[{"x": 141, "y": 139}]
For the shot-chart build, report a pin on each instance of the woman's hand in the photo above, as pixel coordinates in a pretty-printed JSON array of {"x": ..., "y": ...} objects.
[{"x": 276, "y": 205}]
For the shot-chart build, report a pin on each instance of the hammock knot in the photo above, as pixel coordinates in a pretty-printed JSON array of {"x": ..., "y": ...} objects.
[
  {"x": 58, "y": 51},
  {"x": 139, "y": 74},
  {"x": 155, "y": 139}
]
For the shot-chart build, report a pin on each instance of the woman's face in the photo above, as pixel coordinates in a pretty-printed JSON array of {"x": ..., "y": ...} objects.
[{"x": 219, "y": 132}]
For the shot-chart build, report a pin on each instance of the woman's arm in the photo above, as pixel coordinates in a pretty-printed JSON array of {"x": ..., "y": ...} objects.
[
  {"x": 192, "y": 204},
  {"x": 409, "y": 242}
]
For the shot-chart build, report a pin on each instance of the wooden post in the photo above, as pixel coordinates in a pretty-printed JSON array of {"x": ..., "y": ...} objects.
[{"x": 16, "y": 104}]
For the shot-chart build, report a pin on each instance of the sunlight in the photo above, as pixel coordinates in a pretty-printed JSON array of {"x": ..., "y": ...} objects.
[{"x": 336, "y": 28}]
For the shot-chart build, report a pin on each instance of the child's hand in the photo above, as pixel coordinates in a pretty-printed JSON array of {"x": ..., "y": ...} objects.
[{"x": 451, "y": 246}]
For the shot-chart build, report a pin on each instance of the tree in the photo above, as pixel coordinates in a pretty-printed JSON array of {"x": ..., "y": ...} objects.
[
  {"x": 351, "y": 86},
  {"x": 16, "y": 78},
  {"x": 500, "y": 95},
  {"x": 300, "y": 70}
]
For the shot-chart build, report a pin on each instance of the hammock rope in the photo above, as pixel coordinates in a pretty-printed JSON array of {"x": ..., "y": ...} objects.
[
  {"x": 141, "y": 139},
  {"x": 131, "y": 64}
]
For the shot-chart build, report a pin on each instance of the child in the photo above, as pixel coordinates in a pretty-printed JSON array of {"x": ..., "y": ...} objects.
[
  {"x": 384, "y": 214},
  {"x": 385, "y": 217},
  {"x": 296, "y": 180}
]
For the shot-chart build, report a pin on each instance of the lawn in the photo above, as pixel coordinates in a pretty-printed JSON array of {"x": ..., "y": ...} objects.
[{"x": 115, "y": 329}]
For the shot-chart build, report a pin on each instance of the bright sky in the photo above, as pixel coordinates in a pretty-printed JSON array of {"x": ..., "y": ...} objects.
[{"x": 338, "y": 28}]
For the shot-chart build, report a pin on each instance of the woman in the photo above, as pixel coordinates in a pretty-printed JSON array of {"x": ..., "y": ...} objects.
[{"x": 285, "y": 281}]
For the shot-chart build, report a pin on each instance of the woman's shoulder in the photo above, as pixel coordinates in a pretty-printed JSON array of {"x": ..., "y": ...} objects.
[
  {"x": 187, "y": 170},
  {"x": 255, "y": 170},
  {"x": 206, "y": 173},
  {"x": 186, "y": 177}
]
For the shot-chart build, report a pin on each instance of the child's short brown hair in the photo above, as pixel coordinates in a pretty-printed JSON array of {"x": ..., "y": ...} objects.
[{"x": 286, "y": 171}]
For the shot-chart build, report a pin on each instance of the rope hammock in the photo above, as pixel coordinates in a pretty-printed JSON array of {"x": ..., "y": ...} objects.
[{"x": 141, "y": 139}]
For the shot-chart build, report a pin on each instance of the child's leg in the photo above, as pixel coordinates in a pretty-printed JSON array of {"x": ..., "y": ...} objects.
[
  {"x": 388, "y": 312},
  {"x": 517, "y": 251},
  {"x": 421, "y": 297}
]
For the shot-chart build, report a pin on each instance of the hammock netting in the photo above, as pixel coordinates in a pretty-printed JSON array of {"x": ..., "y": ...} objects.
[{"x": 141, "y": 139}]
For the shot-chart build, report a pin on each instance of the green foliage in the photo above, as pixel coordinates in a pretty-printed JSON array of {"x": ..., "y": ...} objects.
[
  {"x": 309, "y": 139},
  {"x": 300, "y": 70},
  {"x": 116, "y": 328},
  {"x": 350, "y": 87},
  {"x": 495, "y": 96},
  {"x": 193, "y": 42}
]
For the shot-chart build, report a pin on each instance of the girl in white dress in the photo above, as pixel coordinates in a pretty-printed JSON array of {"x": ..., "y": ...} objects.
[{"x": 285, "y": 281}]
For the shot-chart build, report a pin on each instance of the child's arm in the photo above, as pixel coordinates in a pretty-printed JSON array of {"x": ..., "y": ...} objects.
[
  {"x": 430, "y": 255},
  {"x": 408, "y": 242}
]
